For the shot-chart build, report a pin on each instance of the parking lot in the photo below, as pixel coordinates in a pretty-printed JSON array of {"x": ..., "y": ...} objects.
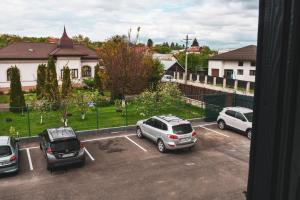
[{"x": 121, "y": 166}]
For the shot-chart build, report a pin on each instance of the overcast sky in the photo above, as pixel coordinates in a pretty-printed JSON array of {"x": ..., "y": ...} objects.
[{"x": 216, "y": 23}]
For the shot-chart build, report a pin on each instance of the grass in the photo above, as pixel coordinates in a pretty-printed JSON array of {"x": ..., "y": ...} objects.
[{"x": 108, "y": 117}]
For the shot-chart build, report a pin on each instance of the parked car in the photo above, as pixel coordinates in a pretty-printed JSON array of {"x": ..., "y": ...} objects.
[
  {"x": 61, "y": 147},
  {"x": 168, "y": 132},
  {"x": 168, "y": 78},
  {"x": 9, "y": 155},
  {"x": 238, "y": 118}
]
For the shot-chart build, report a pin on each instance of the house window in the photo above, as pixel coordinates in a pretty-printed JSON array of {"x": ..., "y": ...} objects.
[
  {"x": 86, "y": 71},
  {"x": 240, "y": 72},
  {"x": 74, "y": 73},
  {"x": 253, "y": 63},
  {"x": 8, "y": 74},
  {"x": 252, "y": 72},
  {"x": 241, "y": 63}
]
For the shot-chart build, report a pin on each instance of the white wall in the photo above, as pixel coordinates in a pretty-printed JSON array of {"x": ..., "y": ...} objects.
[
  {"x": 233, "y": 65},
  {"x": 28, "y": 69}
]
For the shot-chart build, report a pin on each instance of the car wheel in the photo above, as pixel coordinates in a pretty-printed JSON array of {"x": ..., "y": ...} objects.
[
  {"x": 161, "y": 146},
  {"x": 221, "y": 125},
  {"x": 249, "y": 134},
  {"x": 139, "y": 133}
]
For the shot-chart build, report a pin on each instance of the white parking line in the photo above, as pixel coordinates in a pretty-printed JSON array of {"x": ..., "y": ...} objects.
[
  {"x": 106, "y": 138},
  {"x": 208, "y": 124},
  {"x": 88, "y": 153},
  {"x": 29, "y": 148},
  {"x": 135, "y": 143},
  {"x": 29, "y": 159},
  {"x": 214, "y": 131}
]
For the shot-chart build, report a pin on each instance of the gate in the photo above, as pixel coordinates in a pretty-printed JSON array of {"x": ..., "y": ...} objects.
[{"x": 214, "y": 103}]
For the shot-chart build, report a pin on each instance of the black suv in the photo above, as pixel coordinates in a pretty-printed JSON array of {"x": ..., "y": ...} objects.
[{"x": 61, "y": 147}]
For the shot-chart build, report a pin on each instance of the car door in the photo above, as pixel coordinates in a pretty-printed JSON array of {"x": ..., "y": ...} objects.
[
  {"x": 159, "y": 129},
  {"x": 148, "y": 128},
  {"x": 230, "y": 118},
  {"x": 240, "y": 122}
]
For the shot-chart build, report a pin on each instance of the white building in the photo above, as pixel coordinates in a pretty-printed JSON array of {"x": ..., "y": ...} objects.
[
  {"x": 238, "y": 64},
  {"x": 27, "y": 56}
]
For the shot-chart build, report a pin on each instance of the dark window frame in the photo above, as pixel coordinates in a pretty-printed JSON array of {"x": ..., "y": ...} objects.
[{"x": 240, "y": 63}]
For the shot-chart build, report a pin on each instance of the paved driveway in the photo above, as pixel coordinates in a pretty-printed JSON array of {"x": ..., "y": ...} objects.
[{"x": 121, "y": 166}]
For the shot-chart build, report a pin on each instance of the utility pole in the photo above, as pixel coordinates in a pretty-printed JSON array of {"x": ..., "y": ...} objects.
[{"x": 186, "y": 57}]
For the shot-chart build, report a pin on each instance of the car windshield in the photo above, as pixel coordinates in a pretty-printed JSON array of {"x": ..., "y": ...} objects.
[
  {"x": 182, "y": 129},
  {"x": 5, "y": 151},
  {"x": 61, "y": 146},
  {"x": 249, "y": 116}
]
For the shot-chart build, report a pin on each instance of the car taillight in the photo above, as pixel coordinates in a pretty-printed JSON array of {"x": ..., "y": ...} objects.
[
  {"x": 194, "y": 133},
  {"x": 172, "y": 136},
  {"x": 13, "y": 158},
  {"x": 81, "y": 146},
  {"x": 49, "y": 150}
]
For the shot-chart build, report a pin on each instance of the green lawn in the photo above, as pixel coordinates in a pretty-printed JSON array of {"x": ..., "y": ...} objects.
[{"x": 107, "y": 117}]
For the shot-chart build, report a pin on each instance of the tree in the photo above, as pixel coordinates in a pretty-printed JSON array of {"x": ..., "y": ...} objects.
[
  {"x": 66, "y": 90},
  {"x": 156, "y": 73},
  {"x": 81, "y": 100},
  {"x": 150, "y": 43},
  {"x": 97, "y": 79},
  {"x": 125, "y": 66},
  {"x": 17, "y": 100},
  {"x": 172, "y": 46},
  {"x": 41, "y": 81},
  {"x": 52, "y": 91},
  {"x": 166, "y": 97},
  {"x": 163, "y": 49}
]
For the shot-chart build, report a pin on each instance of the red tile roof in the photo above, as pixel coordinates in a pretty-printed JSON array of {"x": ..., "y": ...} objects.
[
  {"x": 34, "y": 51},
  {"x": 247, "y": 53}
]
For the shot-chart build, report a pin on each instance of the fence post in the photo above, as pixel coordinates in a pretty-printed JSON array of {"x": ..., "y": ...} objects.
[
  {"x": 126, "y": 117},
  {"x": 191, "y": 77},
  {"x": 215, "y": 81},
  {"x": 198, "y": 78},
  {"x": 28, "y": 120},
  {"x": 205, "y": 80},
  {"x": 97, "y": 116},
  {"x": 236, "y": 84},
  {"x": 224, "y": 82},
  {"x": 248, "y": 87}
]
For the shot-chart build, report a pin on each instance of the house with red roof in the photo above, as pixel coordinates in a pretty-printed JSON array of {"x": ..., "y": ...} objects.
[{"x": 28, "y": 55}]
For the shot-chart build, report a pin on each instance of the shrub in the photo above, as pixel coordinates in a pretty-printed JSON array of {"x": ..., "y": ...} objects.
[{"x": 17, "y": 100}]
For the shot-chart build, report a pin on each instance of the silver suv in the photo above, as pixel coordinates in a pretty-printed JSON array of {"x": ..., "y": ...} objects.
[
  {"x": 61, "y": 147},
  {"x": 168, "y": 132},
  {"x": 9, "y": 155}
]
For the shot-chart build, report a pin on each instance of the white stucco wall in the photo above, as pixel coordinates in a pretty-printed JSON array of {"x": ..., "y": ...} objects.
[
  {"x": 28, "y": 69},
  {"x": 232, "y": 65}
]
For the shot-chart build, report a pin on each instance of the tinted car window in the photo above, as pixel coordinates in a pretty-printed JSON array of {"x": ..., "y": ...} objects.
[
  {"x": 182, "y": 129},
  {"x": 160, "y": 125},
  {"x": 240, "y": 116},
  {"x": 230, "y": 113},
  {"x": 5, "y": 151},
  {"x": 61, "y": 146},
  {"x": 249, "y": 116},
  {"x": 150, "y": 122}
]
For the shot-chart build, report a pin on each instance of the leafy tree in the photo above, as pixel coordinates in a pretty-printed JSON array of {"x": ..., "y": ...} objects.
[
  {"x": 172, "y": 45},
  {"x": 163, "y": 49},
  {"x": 52, "y": 91},
  {"x": 150, "y": 43},
  {"x": 81, "y": 101},
  {"x": 66, "y": 83},
  {"x": 41, "y": 81},
  {"x": 166, "y": 97},
  {"x": 156, "y": 73},
  {"x": 17, "y": 100},
  {"x": 97, "y": 80},
  {"x": 125, "y": 66}
]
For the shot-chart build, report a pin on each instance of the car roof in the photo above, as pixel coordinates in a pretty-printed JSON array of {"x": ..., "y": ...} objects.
[
  {"x": 61, "y": 133},
  {"x": 239, "y": 109},
  {"x": 172, "y": 120},
  {"x": 4, "y": 140}
]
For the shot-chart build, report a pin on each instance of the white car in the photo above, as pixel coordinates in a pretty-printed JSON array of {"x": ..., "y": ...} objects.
[
  {"x": 238, "y": 118},
  {"x": 168, "y": 78}
]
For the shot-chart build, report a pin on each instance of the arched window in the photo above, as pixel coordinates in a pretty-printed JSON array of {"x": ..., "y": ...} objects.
[
  {"x": 86, "y": 71},
  {"x": 8, "y": 74}
]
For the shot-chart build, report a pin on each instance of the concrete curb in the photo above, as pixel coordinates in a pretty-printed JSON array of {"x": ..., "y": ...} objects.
[{"x": 102, "y": 131}]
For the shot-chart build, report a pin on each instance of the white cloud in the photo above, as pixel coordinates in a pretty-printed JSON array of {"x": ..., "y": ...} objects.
[{"x": 217, "y": 23}]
